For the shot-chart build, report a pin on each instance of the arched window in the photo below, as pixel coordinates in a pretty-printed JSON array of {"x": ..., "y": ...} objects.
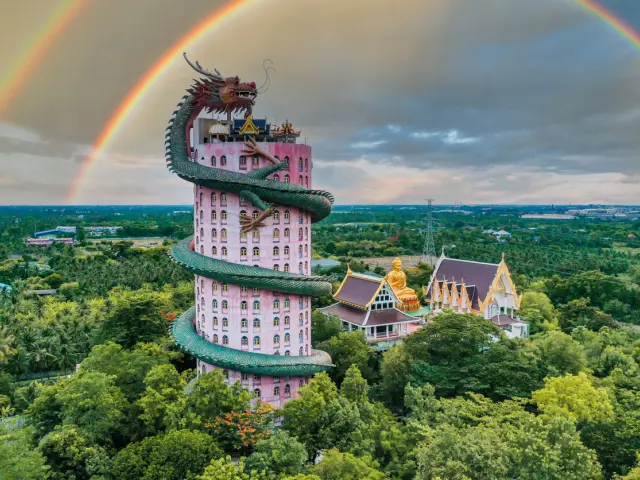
[
  {"x": 286, "y": 233},
  {"x": 306, "y": 317},
  {"x": 287, "y": 338},
  {"x": 276, "y": 252},
  {"x": 276, "y": 391},
  {"x": 306, "y": 349},
  {"x": 224, "y": 251},
  {"x": 215, "y": 338},
  {"x": 244, "y": 323},
  {"x": 306, "y": 181},
  {"x": 256, "y": 392},
  {"x": 243, "y": 213},
  {"x": 214, "y": 234},
  {"x": 276, "y": 339},
  {"x": 223, "y": 199},
  {"x": 225, "y": 322},
  {"x": 276, "y": 322},
  {"x": 256, "y": 306},
  {"x": 215, "y": 322},
  {"x": 301, "y": 336},
  {"x": 287, "y": 321},
  {"x": 287, "y": 302},
  {"x": 243, "y": 251},
  {"x": 306, "y": 267},
  {"x": 299, "y": 251},
  {"x": 300, "y": 233},
  {"x": 306, "y": 333},
  {"x": 276, "y": 234},
  {"x": 214, "y": 286},
  {"x": 201, "y": 197},
  {"x": 287, "y": 179},
  {"x": 306, "y": 233},
  {"x": 202, "y": 285},
  {"x": 243, "y": 162},
  {"x": 223, "y": 215},
  {"x": 202, "y": 302},
  {"x": 202, "y": 249},
  {"x": 276, "y": 267},
  {"x": 225, "y": 287},
  {"x": 300, "y": 268},
  {"x": 306, "y": 164},
  {"x": 213, "y": 160},
  {"x": 256, "y": 341},
  {"x": 225, "y": 304},
  {"x": 300, "y": 352},
  {"x": 300, "y": 164},
  {"x": 306, "y": 250},
  {"x": 276, "y": 177},
  {"x": 225, "y": 340},
  {"x": 300, "y": 320},
  {"x": 287, "y": 216},
  {"x": 300, "y": 303},
  {"x": 255, "y": 214},
  {"x": 244, "y": 341},
  {"x": 256, "y": 252},
  {"x": 286, "y": 267},
  {"x": 256, "y": 323},
  {"x": 287, "y": 353},
  {"x": 287, "y": 389},
  {"x": 223, "y": 161},
  {"x": 225, "y": 374},
  {"x": 286, "y": 251},
  {"x": 301, "y": 384},
  {"x": 300, "y": 180},
  {"x": 197, "y": 240},
  {"x": 201, "y": 215},
  {"x": 213, "y": 198},
  {"x": 276, "y": 304},
  {"x": 243, "y": 236},
  {"x": 214, "y": 251},
  {"x": 215, "y": 304},
  {"x": 223, "y": 234},
  {"x": 214, "y": 215},
  {"x": 276, "y": 215},
  {"x": 255, "y": 233},
  {"x": 286, "y": 160}
]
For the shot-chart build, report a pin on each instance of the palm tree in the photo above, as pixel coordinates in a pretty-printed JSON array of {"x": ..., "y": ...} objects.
[{"x": 7, "y": 344}]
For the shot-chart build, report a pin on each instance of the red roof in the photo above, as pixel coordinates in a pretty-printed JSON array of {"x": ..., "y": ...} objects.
[{"x": 358, "y": 290}]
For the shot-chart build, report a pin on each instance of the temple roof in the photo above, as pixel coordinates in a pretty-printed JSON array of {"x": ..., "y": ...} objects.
[
  {"x": 477, "y": 277},
  {"x": 503, "y": 320},
  {"x": 358, "y": 290},
  {"x": 368, "y": 318}
]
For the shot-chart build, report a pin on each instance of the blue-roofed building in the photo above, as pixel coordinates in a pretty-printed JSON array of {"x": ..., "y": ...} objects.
[{"x": 4, "y": 288}]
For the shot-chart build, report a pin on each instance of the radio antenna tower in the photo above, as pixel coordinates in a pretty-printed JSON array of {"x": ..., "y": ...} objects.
[{"x": 429, "y": 247}]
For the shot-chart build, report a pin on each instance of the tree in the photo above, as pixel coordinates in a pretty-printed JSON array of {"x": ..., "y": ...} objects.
[
  {"x": 162, "y": 399},
  {"x": 348, "y": 349},
  {"x": 354, "y": 387},
  {"x": 242, "y": 430},
  {"x": 394, "y": 374},
  {"x": 574, "y": 396},
  {"x": 91, "y": 401},
  {"x": 225, "y": 469},
  {"x": 280, "y": 454},
  {"x": 71, "y": 455},
  {"x": 323, "y": 327},
  {"x": 177, "y": 455},
  {"x": 559, "y": 354},
  {"x": 345, "y": 466},
  {"x": 136, "y": 317},
  {"x": 303, "y": 415},
  {"x": 579, "y": 312},
  {"x": 18, "y": 461},
  {"x": 538, "y": 302}
]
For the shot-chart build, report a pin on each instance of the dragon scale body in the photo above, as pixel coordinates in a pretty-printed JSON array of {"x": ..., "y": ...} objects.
[{"x": 261, "y": 192}]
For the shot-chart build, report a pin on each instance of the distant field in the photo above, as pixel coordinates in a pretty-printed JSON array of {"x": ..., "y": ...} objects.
[{"x": 137, "y": 242}]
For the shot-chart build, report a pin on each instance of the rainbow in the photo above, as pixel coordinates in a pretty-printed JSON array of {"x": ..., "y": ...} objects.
[
  {"x": 149, "y": 78},
  {"x": 616, "y": 22},
  {"x": 136, "y": 94},
  {"x": 25, "y": 63}
]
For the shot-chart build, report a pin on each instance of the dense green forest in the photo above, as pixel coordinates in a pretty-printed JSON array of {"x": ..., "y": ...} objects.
[{"x": 91, "y": 387}]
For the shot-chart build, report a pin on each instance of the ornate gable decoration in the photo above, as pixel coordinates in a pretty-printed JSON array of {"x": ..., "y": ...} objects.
[{"x": 249, "y": 128}]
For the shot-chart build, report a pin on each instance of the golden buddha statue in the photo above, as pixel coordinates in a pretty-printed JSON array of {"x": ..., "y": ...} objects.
[{"x": 398, "y": 282}]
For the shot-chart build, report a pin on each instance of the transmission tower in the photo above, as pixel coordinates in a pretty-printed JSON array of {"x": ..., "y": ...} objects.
[{"x": 429, "y": 248}]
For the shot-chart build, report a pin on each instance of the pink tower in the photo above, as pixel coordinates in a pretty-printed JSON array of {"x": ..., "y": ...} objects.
[{"x": 251, "y": 250}]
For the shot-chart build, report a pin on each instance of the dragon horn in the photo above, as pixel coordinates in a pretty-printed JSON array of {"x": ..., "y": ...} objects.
[{"x": 201, "y": 70}]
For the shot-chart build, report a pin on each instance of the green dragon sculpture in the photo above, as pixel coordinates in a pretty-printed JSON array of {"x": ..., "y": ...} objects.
[{"x": 215, "y": 93}]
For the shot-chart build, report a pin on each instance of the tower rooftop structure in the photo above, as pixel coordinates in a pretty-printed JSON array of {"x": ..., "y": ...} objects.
[{"x": 251, "y": 250}]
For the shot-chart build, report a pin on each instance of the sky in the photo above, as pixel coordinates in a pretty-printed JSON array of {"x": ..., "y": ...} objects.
[{"x": 467, "y": 101}]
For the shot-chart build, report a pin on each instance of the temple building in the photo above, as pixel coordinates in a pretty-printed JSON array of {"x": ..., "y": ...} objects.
[
  {"x": 484, "y": 289},
  {"x": 384, "y": 307}
]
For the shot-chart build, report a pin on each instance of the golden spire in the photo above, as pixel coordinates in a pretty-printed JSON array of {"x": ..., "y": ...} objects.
[{"x": 502, "y": 257}]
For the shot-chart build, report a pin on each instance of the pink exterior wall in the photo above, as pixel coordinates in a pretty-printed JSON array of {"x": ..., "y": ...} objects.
[{"x": 225, "y": 313}]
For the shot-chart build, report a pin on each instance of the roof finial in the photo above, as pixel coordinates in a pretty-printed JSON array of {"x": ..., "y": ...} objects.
[
  {"x": 349, "y": 268},
  {"x": 502, "y": 257},
  {"x": 442, "y": 254}
]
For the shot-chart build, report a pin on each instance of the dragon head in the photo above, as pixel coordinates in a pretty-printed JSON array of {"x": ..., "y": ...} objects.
[{"x": 218, "y": 94}]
